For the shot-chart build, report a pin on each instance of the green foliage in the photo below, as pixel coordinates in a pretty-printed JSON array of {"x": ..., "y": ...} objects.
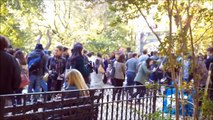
[
  {"x": 110, "y": 40},
  {"x": 207, "y": 107},
  {"x": 16, "y": 18},
  {"x": 157, "y": 115}
]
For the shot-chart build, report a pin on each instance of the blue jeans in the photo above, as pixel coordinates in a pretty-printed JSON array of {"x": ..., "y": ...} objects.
[
  {"x": 44, "y": 85},
  {"x": 130, "y": 81},
  {"x": 35, "y": 83},
  {"x": 130, "y": 78}
]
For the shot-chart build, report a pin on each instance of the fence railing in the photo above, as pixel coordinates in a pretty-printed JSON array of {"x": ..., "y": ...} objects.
[{"x": 113, "y": 103}]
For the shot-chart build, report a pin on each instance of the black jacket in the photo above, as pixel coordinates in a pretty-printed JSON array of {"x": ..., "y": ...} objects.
[
  {"x": 78, "y": 63},
  {"x": 10, "y": 73},
  {"x": 208, "y": 62}
]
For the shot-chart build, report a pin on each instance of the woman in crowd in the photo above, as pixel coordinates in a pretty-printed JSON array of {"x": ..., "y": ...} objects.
[
  {"x": 75, "y": 81},
  {"x": 142, "y": 76},
  {"x": 19, "y": 55},
  {"x": 120, "y": 67},
  {"x": 76, "y": 61},
  {"x": 119, "y": 75},
  {"x": 98, "y": 74}
]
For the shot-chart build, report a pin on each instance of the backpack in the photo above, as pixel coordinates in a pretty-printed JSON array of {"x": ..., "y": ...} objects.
[{"x": 34, "y": 60}]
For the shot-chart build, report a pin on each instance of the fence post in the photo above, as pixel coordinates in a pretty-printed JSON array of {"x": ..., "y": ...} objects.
[
  {"x": 2, "y": 103},
  {"x": 154, "y": 100}
]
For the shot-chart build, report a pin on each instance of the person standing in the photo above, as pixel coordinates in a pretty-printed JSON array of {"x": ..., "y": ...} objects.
[
  {"x": 119, "y": 76},
  {"x": 56, "y": 66},
  {"x": 143, "y": 57},
  {"x": 209, "y": 67},
  {"x": 131, "y": 70},
  {"x": 19, "y": 55},
  {"x": 142, "y": 76},
  {"x": 98, "y": 74},
  {"x": 76, "y": 61},
  {"x": 154, "y": 55},
  {"x": 65, "y": 53},
  {"x": 209, "y": 59},
  {"x": 10, "y": 73},
  {"x": 37, "y": 67}
]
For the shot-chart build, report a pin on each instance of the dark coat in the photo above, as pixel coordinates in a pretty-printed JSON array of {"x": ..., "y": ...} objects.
[
  {"x": 78, "y": 63},
  {"x": 10, "y": 73},
  {"x": 208, "y": 61}
]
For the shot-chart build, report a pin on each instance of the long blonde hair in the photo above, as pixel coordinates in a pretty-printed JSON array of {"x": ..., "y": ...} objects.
[{"x": 76, "y": 79}]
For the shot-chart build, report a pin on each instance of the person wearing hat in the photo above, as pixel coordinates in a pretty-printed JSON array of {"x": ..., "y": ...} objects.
[{"x": 37, "y": 66}]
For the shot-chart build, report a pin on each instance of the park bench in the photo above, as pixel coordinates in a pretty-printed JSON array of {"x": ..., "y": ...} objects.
[{"x": 50, "y": 106}]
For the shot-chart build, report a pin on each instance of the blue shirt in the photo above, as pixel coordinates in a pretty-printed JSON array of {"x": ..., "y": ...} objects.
[
  {"x": 131, "y": 65},
  {"x": 186, "y": 66},
  {"x": 143, "y": 58}
]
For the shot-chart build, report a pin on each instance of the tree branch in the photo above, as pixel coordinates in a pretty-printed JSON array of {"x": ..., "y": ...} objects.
[
  {"x": 202, "y": 35},
  {"x": 158, "y": 38}
]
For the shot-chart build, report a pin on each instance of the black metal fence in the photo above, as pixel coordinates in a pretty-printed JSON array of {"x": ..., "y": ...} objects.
[{"x": 114, "y": 103}]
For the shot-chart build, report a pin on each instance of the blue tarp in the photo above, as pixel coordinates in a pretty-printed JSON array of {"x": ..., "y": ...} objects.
[{"x": 169, "y": 104}]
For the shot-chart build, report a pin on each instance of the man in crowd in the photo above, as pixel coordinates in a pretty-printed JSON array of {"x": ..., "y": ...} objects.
[
  {"x": 209, "y": 57},
  {"x": 143, "y": 57},
  {"x": 56, "y": 66},
  {"x": 37, "y": 66},
  {"x": 154, "y": 55},
  {"x": 65, "y": 53},
  {"x": 131, "y": 70},
  {"x": 10, "y": 78},
  {"x": 209, "y": 67}
]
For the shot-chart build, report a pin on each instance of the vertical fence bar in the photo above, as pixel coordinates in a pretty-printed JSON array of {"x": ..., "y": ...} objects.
[
  {"x": 45, "y": 101},
  {"x": 117, "y": 102},
  {"x": 113, "y": 99},
  {"x": 102, "y": 101},
  {"x": 134, "y": 110},
  {"x": 2, "y": 103},
  {"x": 132, "y": 100},
  {"x": 154, "y": 101},
  {"x": 146, "y": 109},
  {"x": 62, "y": 104},
  {"x": 150, "y": 101},
  {"x": 127, "y": 97},
  {"x": 122, "y": 104},
  {"x": 139, "y": 109},
  {"x": 163, "y": 105},
  {"x": 107, "y": 107},
  {"x": 143, "y": 108},
  {"x": 171, "y": 100}
]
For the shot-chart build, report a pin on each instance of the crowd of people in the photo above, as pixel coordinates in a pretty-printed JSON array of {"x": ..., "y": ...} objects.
[{"x": 79, "y": 69}]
